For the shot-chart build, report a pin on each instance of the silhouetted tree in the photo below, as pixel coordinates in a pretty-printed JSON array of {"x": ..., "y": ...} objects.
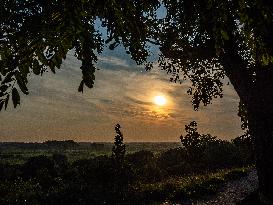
[
  {"x": 195, "y": 143},
  {"x": 205, "y": 41},
  {"x": 121, "y": 171},
  {"x": 118, "y": 151},
  {"x": 202, "y": 40},
  {"x": 36, "y": 35}
]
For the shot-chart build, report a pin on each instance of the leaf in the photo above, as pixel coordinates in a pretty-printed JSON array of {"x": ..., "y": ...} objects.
[
  {"x": 88, "y": 75},
  {"x": 52, "y": 66},
  {"x": 8, "y": 78},
  {"x": 36, "y": 67},
  {"x": 24, "y": 69},
  {"x": 80, "y": 89},
  {"x": 1, "y": 104},
  {"x": 3, "y": 88},
  {"x": 21, "y": 83},
  {"x": 42, "y": 58},
  {"x": 224, "y": 35},
  {"x": 88, "y": 79},
  {"x": 6, "y": 102},
  {"x": 58, "y": 61},
  {"x": 109, "y": 40},
  {"x": 15, "y": 97},
  {"x": 112, "y": 46}
]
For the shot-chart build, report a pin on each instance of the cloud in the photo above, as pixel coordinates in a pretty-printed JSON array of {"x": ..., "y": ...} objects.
[
  {"x": 122, "y": 93},
  {"x": 113, "y": 61}
]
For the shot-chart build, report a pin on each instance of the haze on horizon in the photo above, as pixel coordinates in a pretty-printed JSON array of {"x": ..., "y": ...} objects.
[{"x": 123, "y": 93}]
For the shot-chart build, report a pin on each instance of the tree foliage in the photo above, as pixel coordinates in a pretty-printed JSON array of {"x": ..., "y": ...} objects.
[
  {"x": 195, "y": 143},
  {"x": 36, "y": 35},
  {"x": 147, "y": 177},
  {"x": 118, "y": 151},
  {"x": 200, "y": 40}
]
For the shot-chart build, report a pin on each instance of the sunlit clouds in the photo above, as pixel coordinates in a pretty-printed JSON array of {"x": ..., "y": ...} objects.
[{"x": 146, "y": 104}]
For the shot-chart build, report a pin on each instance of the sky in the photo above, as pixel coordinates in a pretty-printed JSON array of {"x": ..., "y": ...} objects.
[{"x": 123, "y": 93}]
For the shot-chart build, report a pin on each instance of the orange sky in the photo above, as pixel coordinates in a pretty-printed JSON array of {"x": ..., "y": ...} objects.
[{"x": 123, "y": 93}]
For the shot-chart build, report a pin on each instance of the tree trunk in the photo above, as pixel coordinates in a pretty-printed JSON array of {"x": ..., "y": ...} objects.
[
  {"x": 257, "y": 95},
  {"x": 260, "y": 115}
]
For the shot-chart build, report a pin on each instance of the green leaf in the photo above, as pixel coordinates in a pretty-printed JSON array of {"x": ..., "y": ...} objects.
[{"x": 15, "y": 97}]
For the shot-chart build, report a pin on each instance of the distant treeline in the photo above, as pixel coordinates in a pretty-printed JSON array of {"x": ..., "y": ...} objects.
[
  {"x": 37, "y": 145},
  {"x": 125, "y": 178},
  {"x": 96, "y": 146}
]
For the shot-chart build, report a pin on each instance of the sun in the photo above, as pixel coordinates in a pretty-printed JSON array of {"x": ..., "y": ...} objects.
[{"x": 160, "y": 100}]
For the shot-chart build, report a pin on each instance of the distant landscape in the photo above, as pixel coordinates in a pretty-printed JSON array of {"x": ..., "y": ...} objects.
[
  {"x": 136, "y": 102},
  {"x": 68, "y": 172},
  {"x": 19, "y": 152}
]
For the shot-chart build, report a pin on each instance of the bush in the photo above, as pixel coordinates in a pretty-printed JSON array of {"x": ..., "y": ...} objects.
[
  {"x": 195, "y": 143},
  {"x": 245, "y": 145},
  {"x": 173, "y": 162},
  {"x": 143, "y": 166},
  {"x": 220, "y": 155}
]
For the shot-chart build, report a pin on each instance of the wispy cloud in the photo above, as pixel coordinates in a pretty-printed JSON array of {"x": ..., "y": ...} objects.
[{"x": 122, "y": 93}]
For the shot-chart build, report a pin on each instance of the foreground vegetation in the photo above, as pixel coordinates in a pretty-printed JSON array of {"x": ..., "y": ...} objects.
[{"x": 196, "y": 169}]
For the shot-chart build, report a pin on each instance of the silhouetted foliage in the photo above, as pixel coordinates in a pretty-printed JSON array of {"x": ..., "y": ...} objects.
[
  {"x": 142, "y": 178},
  {"x": 202, "y": 41},
  {"x": 66, "y": 144},
  {"x": 208, "y": 152},
  {"x": 143, "y": 165},
  {"x": 36, "y": 36},
  {"x": 245, "y": 144},
  {"x": 195, "y": 143},
  {"x": 60, "y": 163},
  {"x": 118, "y": 151}
]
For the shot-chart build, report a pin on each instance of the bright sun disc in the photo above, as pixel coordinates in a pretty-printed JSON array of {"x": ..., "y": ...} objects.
[{"x": 160, "y": 100}]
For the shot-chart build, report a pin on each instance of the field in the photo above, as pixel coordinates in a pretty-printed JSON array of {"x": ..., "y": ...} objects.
[
  {"x": 67, "y": 172},
  {"x": 18, "y": 153}
]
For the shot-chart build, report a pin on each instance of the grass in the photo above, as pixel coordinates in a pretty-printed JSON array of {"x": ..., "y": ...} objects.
[
  {"x": 251, "y": 199},
  {"x": 176, "y": 189}
]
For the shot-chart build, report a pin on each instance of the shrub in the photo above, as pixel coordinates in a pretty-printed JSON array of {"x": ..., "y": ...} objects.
[
  {"x": 143, "y": 165},
  {"x": 35, "y": 164},
  {"x": 195, "y": 143},
  {"x": 174, "y": 162},
  {"x": 219, "y": 155}
]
